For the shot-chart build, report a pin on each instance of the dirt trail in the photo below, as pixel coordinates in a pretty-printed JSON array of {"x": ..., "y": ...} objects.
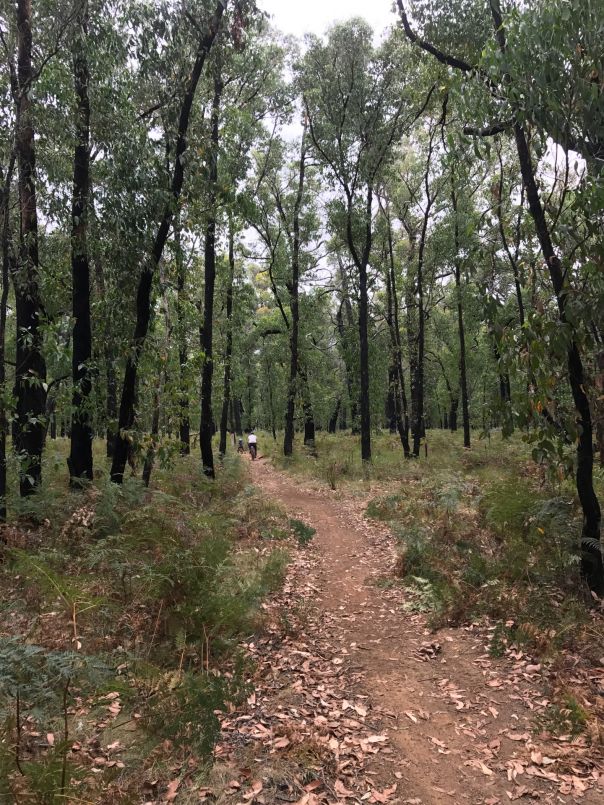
[{"x": 460, "y": 724}]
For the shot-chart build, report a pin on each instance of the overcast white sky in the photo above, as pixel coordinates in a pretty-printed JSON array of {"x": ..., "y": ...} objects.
[{"x": 315, "y": 16}]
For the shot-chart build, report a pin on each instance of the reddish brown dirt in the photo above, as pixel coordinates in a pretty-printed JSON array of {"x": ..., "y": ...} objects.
[{"x": 461, "y": 725}]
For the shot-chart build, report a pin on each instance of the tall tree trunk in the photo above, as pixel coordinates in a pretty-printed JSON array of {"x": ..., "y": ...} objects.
[
  {"x": 390, "y": 404},
  {"x": 80, "y": 458},
  {"x": 184, "y": 425},
  {"x": 293, "y": 288},
  {"x": 307, "y": 408},
  {"x": 30, "y": 373},
  {"x": 352, "y": 398},
  {"x": 453, "y": 406},
  {"x": 7, "y": 259},
  {"x": 271, "y": 406},
  {"x": 206, "y": 428},
  {"x": 143, "y": 298},
  {"x": 417, "y": 375},
  {"x": 333, "y": 420},
  {"x": 111, "y": 409},
  {"x": 463, "y": 377},
  {"x": 237, "y": 408},
  {"x": 228, "y": 352},
  {"x": 361, "y": 260},
  {"x": 401, "y": 409}
]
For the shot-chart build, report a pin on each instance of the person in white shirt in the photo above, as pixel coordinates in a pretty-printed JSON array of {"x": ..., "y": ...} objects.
[{"x": 252, "y": 443}]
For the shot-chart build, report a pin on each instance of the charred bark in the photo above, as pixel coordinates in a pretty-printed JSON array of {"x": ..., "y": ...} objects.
[
  {"x": 293, "y": 288},
  {"x": 228, "y": 352},
  {"x": 184, "y": 425},
  {"x": 80, "y": 457},
  {"x": 207, "y": 427},
  {"x": 463, "y": 376},
  {"x": 30, "y": 373},
  {"x": 7, "y": 268}
]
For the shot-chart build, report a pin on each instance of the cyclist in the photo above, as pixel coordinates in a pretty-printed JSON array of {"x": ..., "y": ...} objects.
[{"x": 252, "y": 443}]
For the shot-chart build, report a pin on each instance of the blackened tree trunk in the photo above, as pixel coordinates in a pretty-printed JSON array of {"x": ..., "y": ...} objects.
[
  {"x": 463, "y": 376},
  {"x": 30, "y": 373},
  {"x": 350, "y": 385},
  {"x": 143, "y": 298},
  {"x": 228, "y": 352},
  {"x": 453, "y": 406},
  {"x": 307, "y": 408},
  {"x": 7, "y": 258},
  {"x": 206, "y": 428},
  {"x": 111, "y": 409},
  {"x": 417, "y": 369},
  {"x": 361, "y": 260},
  {"x": 80, "y": 457},
  {"x": 400, "y": 400},
  {"x": 390, "y": 408},
  {"x": 271, "y": 399},
  {"x": 184, "y": 425},
  {"x": 237, "y": 408},
  {"x": 333, "y": 420},
  {"x": 294, "y": 303},
  {"x": 417, "y": 374}
]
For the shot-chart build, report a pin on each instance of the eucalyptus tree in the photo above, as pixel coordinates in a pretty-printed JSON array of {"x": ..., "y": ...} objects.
[
  {"x": 357, "y": 107},
  {"x": 417, "y": 183},
  {"x": 500, "y": 59},
  {"x": 30, "y": 375},
  {"x": 207, "y": 31},
  {"x": 80, "y": 457},
  {"x": 397, "y": 385},
  {"x": 247, "y": 89},
  {"x": 285, "y": 218}
]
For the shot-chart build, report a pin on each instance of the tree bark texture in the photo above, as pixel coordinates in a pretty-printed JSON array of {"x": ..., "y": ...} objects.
[
  {"x": 294, "y": 303},
  {"x": 463, "y": 375},
  {"x": 206, "y": 428},
  {"x": 228, "y": 352},
  {"x": 30, "y": 373},
  {"x": 184, "y": 425},
  {"x": 80, "y": 457}
]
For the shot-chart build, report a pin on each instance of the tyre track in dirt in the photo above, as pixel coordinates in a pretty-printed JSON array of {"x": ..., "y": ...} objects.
[{"x": 460, "y": 724}]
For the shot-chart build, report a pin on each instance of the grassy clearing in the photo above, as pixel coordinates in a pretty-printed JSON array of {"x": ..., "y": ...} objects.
[{"x": 121, "y": 616}]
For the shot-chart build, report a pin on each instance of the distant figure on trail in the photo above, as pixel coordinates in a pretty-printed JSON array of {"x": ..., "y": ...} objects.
[
  {"x": 252, "y": 443},
  {"x": 240, "y": 447}
]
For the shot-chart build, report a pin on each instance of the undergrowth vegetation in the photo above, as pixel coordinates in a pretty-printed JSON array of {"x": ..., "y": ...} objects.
[
  {"x": 122, "y": 613},
  {"x": 482, "y": 534}
]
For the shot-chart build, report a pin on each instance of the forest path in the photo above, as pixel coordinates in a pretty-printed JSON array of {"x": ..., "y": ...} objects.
[{"x": 459, "y": 724}]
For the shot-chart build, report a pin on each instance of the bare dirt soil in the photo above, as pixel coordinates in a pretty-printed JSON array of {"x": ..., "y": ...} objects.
[{"x": 357, "y": 690}]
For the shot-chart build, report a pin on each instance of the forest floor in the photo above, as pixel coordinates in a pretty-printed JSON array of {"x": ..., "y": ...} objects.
[
  {"x": 416, "y": 632},
  {"x": 358, "y": 700}
]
